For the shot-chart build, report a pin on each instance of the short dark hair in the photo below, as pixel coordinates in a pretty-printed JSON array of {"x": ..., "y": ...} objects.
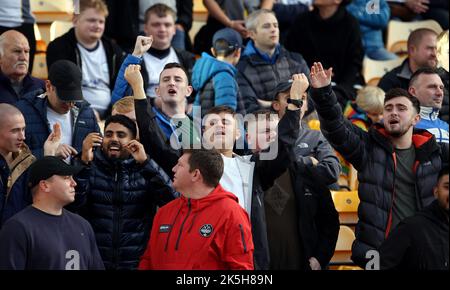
[
  {"x": 443, "y": 171},
  {"x": 174, "y": 65},
  {"x": 415, "y": 37},
  {"x": 124, "y": 121},
  {"x": 398, "y": 92},
  {"x": 209, "y": 162},
  {"x": 422, "y": 71},
  {"x": 221, "y": 109},
  {"x": 161, "y": 10}
]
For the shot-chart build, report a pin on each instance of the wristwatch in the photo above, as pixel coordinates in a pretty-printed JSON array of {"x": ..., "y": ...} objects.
[{"x": 295, "y": 102}]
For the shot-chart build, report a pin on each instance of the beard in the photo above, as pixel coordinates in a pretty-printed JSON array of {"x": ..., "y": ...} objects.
[{"x": 399, "y": 132}]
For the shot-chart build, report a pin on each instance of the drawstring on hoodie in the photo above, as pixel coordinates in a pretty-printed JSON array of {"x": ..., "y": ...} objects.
[
  {"x": 170, "y": 232},
  {"x": 192, "y": 223}
]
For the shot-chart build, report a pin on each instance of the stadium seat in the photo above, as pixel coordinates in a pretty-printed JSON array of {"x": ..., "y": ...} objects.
[
  {"x": 346, "y": 204},
  {"x": 40, "y": 66},
  {"x": 58, "y": 28},
  {"x": 374, "y": 70},
  {"x": 66, "y": 6},
  {"x": 398, "y": 33},
  {"x": 343, "y": 250}
]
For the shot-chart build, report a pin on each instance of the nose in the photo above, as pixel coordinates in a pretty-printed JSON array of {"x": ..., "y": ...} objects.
[
  {"x": 174, "y": 169},
  {"x": 22, "y": 135},
  {"x": 73, "y": 182}
]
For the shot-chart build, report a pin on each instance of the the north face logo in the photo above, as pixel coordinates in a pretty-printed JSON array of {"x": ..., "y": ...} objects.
[{"x": 206, "y": 230}]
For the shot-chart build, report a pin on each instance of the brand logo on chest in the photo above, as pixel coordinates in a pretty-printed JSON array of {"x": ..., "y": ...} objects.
[{"x": 206, "y": 230}]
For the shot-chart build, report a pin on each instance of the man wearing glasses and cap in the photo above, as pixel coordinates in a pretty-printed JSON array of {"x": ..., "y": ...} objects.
[
  {"x": 61, "y": 103},
  {"x": 45, "y": 236}
]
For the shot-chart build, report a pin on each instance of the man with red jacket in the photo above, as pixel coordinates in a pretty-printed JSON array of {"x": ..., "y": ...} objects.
[{"x": 205, "y": 229}]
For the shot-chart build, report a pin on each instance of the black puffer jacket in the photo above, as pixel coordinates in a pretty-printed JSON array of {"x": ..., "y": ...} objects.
[
  {"x": 373, "y": 156},
  {"x": 419, "y": 242},
  {"x": 119, "y": 199}
]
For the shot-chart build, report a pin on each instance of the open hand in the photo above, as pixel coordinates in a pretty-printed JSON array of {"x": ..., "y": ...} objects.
[{"x": 319, "y": 76}]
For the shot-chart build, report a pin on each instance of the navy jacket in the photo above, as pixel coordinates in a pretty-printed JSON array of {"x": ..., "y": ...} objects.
[
  {"x": 7, "y": 93},
  {"x": 119, "y": 199},
  {"x": 34, "y": 109}
]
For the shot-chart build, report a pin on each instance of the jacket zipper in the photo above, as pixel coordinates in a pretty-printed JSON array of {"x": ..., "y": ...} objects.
[
  {"x": 182, "y": 225},
  {"x": 389, "y": 224},
  {"x": 116, "y": 218}
]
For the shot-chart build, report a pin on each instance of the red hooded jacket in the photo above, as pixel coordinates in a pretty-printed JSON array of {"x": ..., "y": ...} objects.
[{"x": 210, "y": 233}]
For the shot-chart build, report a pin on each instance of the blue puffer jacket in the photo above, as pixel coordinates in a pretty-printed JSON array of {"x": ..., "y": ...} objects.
[
  {"x": 119, "y": 199},
  {"x": 373, "y": 156},
  {"x": 215, "y": 84},
  {"x": 34, "y": 108},
  {"x": 372, "y": 21}
]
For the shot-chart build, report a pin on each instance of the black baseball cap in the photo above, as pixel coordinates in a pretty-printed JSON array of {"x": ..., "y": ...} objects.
[
  {"x": 66, "y": 77},
  {"x": 48, "y": 166},
  {"x": 231, "y": 36},
  {"x": 281, "y": 87}
]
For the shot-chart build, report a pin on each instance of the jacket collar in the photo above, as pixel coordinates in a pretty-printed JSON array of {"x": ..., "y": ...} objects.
[
  {"x": 405, "y": 71},
  {"x": 424, "y": 142},
  {"x": 429, "y": 113}
]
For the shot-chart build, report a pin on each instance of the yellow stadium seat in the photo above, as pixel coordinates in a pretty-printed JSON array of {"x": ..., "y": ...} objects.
[
  {"x": 346, "y": 204},
  {"x": 374, "y": 70},
  {"x": 58, "y": 28},
  {"x": 398, "y": 33},
  {"x": 343, "y": 250},
  {"x": 66, "y": 6},
  {"x": 40, "y": 66}
]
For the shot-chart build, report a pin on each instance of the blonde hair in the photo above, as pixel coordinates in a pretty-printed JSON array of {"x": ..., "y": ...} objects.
[
  {"x": 370, "y": 99},
  {"x": 124, "y": 105},
  {"x": 98, "y": 5}
]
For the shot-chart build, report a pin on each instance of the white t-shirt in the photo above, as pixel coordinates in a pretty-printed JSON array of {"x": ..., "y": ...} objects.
[
  {"x": 232, "y": 181},
  {"x": 65, "y": 122},
  {"x": 154, "y": 68},
  {"x": 95, "y": 84}
]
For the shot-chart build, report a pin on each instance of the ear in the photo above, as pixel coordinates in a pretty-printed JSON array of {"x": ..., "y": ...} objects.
[
  {"x": 252, "y": 34},
  {"x": 237, "y": 53},
  {"x": 48, "y": 85},
  {"x": 435, "y": 192},
  {"x": 213, "y": 51},
  {"x": 157, "y": 91},
  {"x": 189, "y": 91},
  {"x": 44, "y": 186},
  {"x": 276, "y": 106},
  {"x": 196, "y": 176},
  {"x": 412, "y": 90},
  {"x": 75, "y": 19},
  {"x": 416, "y": 119}
]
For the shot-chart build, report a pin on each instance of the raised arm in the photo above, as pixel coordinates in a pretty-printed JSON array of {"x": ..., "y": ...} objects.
[{"x": 343, "y": 136}]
